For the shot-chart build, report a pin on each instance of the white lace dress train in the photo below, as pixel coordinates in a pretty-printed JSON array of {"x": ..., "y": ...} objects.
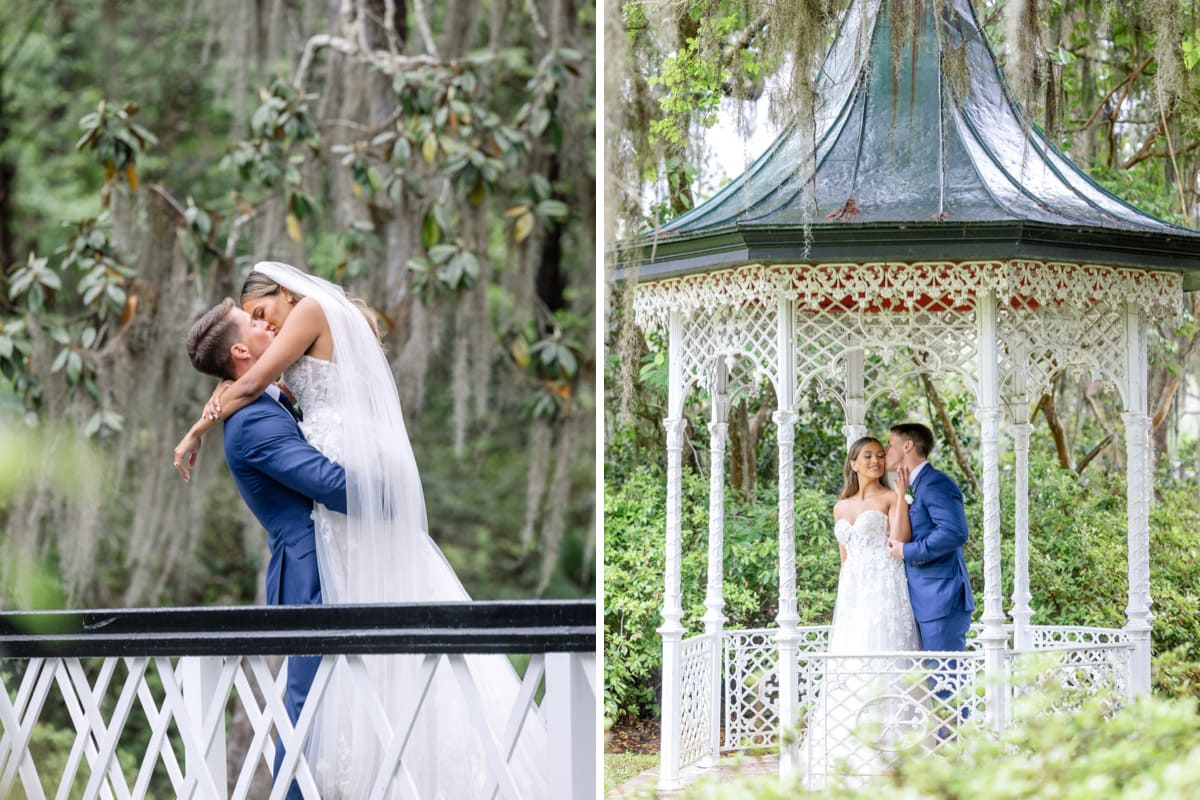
[
  {"x": 444, "y": 758},
  {"x": 855, "y": 701}
]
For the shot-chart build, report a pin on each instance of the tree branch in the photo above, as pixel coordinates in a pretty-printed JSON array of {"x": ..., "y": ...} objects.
[
  {"x": 1104, "y": 100},
  {"x": 943, "y": 417},
  {"x": 1167, "y": 396},
  {"x": 1057, "y": 432},
  {"x": 384, "y": 62},
  {"x": 424, "y": 29},
  {"x": 1095, "y": 451},
  {"x": 1143, "y": 155}
]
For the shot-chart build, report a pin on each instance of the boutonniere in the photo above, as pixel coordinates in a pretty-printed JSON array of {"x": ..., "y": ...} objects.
[{"x": 908, "y": 498}]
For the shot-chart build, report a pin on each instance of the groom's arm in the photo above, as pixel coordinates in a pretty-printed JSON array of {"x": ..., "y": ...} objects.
[
  {"x": 276, "y": 448},
  {"x": 944, "y": 502}
]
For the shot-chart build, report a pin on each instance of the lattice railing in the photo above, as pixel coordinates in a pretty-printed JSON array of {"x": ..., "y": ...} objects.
[
  {"x": 860, "y": 713},
  {"x": 752, "y": 683},
  {"x": 1065, "y": 676},
  {"x": 190, "y": 702},
  {"x": 696, "y": 700}
]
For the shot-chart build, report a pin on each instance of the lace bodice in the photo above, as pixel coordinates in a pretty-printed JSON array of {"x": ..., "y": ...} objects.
[
  {"x": 873, "y": 612},
  {"x": 314, "y": 383},
  {"x": 864, "y": 538}
]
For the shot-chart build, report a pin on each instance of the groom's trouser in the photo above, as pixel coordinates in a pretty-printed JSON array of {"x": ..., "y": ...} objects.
[
  {"x": 300, "y": 673},
  {"x": 299, "y": 584},
  {"x": 947, "y": 633}
]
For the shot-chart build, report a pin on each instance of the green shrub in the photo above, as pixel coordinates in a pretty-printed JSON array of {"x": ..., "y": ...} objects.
[
  {"x": 634, "y": 537},
  {"x": 1149, "y": 749}
]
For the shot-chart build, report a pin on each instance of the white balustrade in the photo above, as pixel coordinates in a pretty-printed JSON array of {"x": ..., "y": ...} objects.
[{"x": 137, "y": 726}]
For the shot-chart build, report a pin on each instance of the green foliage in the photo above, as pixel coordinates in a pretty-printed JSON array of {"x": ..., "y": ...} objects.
[
  {"x": 79, "y": 300},
  {"x": 635, "y": 525},
  {"x": 692, "y": 82},
  {"x": 1146, "y": 750},
  {"x": 117, "y": 141}
]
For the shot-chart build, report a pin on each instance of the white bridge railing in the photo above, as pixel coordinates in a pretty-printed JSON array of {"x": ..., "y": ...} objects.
[{"x": 189, "y": 703}]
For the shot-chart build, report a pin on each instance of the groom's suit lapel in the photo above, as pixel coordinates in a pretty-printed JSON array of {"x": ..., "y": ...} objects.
[{"x": 920, "y": 479}]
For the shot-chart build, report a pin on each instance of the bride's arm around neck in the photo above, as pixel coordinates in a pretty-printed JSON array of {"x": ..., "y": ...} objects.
[{"x": 305, "y": 324}]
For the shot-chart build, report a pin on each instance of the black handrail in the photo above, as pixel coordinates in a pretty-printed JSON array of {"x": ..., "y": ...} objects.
[{"x": 520, "y": 626}]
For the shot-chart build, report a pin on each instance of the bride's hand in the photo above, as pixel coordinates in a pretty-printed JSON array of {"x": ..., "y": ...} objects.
[
  {"x": 212, "y": 409},
  {"x": 900, "y": 485},
  {"x": 185, "y": 454}
]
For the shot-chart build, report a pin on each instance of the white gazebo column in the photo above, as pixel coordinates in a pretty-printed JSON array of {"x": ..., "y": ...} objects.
[
  {"x": 856, "y": 396},
  {"x": 714, "y": 598},
  {"x": 787, "y": 618},
  {"x": 1021, "y": 612},
  {"x": 989, "y": 413},
  {"x": 671, "y": 630},
  {"x": 1138, "y": 455},
  {"x": 1022, "y": 432}
]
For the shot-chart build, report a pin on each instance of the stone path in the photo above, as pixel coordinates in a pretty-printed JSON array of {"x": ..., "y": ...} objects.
[{"x": 642, "y": 786}]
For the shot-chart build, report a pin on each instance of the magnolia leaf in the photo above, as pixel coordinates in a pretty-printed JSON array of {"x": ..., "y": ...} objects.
[
  {"x": 429, "y": 148},
  {"x": 431, "y": 232},
  {"x": 523, "y": 227},
  {"x": 477, "y": 194},
  {"x": 520, "y": 351},
  {"x": 293, "y": 229}
]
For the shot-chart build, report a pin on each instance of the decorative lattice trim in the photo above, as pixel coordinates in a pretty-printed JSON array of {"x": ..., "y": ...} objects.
[{"x": 888, "y": 286}]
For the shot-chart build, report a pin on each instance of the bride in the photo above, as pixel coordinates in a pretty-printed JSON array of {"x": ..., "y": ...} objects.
[
  {"x": 327, "y": 349},
  {"x": 854, "y": 701}
]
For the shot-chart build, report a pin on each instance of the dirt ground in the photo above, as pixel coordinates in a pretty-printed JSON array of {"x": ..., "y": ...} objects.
[{"x": 633, "y": 735}]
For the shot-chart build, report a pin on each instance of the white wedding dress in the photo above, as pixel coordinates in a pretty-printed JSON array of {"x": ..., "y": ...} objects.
[
  {"x": 858, "y": 705},
  {"x": 381, "y": 552}
]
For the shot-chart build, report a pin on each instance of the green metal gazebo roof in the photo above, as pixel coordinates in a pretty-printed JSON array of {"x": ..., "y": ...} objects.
[{"x": 905, "y": 171}]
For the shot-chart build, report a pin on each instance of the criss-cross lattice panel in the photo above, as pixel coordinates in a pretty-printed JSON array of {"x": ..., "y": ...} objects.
[
  {"x": 696, "y": 700},
  {"x": 1040, "y": 341},
  {"x": 861, "y": 713},
  {"x": 162, "y": 727},
  {"x": 897, "y": 347},
  {"x": 879, "y": 310},
  {"x": 752, "y": 683},
  {"x": 1051, "y": 314},
  {"x": 742, "y": 336},
  {"x": 1064, "y": 677},
  {"x": 751, "y": 689}
]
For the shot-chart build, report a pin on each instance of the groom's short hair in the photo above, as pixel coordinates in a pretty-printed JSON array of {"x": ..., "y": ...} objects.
[
  {"x": 210, "y": 338},
  {"x": 918, "y": 434}
]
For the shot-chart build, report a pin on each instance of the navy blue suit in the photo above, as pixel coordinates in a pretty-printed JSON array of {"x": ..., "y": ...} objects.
[
  {"x": 279, "y": 475},
  {"x": 938, "y": 585}
]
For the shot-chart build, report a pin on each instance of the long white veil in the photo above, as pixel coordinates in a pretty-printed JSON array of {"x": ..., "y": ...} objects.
[{"x": 390, "y": 558}]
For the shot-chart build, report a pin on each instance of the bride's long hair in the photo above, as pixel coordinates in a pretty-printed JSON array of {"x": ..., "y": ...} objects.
[{"x": 849, "y": 476}]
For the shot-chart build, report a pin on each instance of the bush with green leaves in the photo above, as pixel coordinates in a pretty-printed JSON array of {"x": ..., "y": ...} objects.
[
  {"x": 1148, "y": 749},
  {"x": 635, "y": 525}
]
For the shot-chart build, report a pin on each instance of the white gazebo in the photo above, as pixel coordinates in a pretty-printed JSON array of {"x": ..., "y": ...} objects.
[{"x": 940, "y": 235}]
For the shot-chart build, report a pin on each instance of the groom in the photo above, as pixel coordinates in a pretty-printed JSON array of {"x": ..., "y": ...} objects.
[
  {"x": 938, "y": 585},
  {"x": 276, "y": 471}
]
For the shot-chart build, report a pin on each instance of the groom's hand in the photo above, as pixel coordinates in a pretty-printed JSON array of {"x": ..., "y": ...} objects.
[{"x": 895, "y": 549}]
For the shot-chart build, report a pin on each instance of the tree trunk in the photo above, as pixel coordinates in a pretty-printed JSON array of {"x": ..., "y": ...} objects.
[
  {"x": 947, "y": 426},
  {"x": 1057, "y": 432},
  {"x": 745, "y": 431}
]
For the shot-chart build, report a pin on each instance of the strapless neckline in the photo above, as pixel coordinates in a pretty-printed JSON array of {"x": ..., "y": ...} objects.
[{"x": 861, "y": 515}]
